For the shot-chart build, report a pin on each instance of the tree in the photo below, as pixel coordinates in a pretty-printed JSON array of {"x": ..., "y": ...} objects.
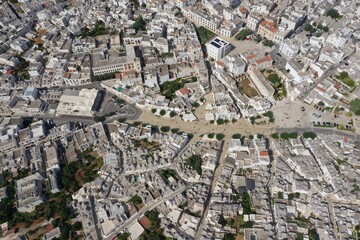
[
  {"x": 174, "y": 130},
  {"x": 246, "y": 203},
  {"x": 196, "y": 105},
  {"x": 268, "y": 43},
  {"x": 99, "y": 118},
  {"x": 252, "y": 119},
  {"x": 236, "y": 136},
  {"x": 165, "y": 129},
  {"x": 334, "y": 14},
  {"x": 310, "y": 135},
  {"x": 211, "y": 135},
  {"x": 136, "y": 199},
  {"x": 243, "y": 34},
  {"x": 123, "y": 236},
  {"x": 135, "y": 3},
  {"x": 162, "y": 112},
  {"x": 325, "y": 28},
  {"x": 220, "y": 136},
  {"x": 270, "y": 115},
  {"x": 122, "y": 120},
  {"x": 173, "y": 114},
  {"x": 195, "y": 162},
  {"x": 153, "y": 110},
  {"x": 291, "y": 196},
  {"x": 137, "y": 123},
  {"x": 299, "y": 236},
  {"x": 76, "y": 226},
  {"x": 280, "y": 195},
  {"x": 220, "y": 121},
  {"x": 355, "y": 106},
  {"x": 286, "y": 135},
  {"x": 140, "y": 24},
  {"x": 229, "y": 236},
  {"x": 309, "y": 28}
]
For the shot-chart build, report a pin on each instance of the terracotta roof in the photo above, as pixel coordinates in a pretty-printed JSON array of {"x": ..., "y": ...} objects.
[
  {"x": 320, "y": 89},
  {"x": 251, "y": 56},
  {"x": 67, "y": 75},
  {"x": 269, "y": 25},
  {"x": 267, "y": 58},
  {"x": 337, "y": 85},
  {"x": 243, "y": 10},
  {"x": 145, "y": 222},
  {"x": 346, "y": 139},
  {"x": 184, "y": 91},
  {"x": 42, "y": 32},
  {"x": 49, "y": 227},
  {"x": 264, "y": 154},
  {"x": 220, "y": 63}
]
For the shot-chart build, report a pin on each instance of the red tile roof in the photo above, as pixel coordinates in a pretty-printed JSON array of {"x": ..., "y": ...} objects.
[
  {"x": 251, "y": 56},
  {"x": 264, "y": 154},
  {"x": 243, "y": 10},
  {"x": 267, "y": 58},
  {"x": 337, "y": 85},
  {"x": 220, "y": 63},
  {"x": 145, "y": 222},
  {"x": 184, "y": 91},
  {"x": 269, "y": 25}
]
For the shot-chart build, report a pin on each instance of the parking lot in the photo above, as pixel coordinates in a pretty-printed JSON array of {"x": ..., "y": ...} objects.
[
  {"x": 299, "y": 114},
  {"x": 114, "y": 106}
]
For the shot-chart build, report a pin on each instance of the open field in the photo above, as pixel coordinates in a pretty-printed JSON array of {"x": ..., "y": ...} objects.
[{"x": 245, "y": 87}]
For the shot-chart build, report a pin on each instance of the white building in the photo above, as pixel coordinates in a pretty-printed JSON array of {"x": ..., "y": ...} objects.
[
  {"x": 31, "y": 93},
  {"x": 217, "y": 48},
  {"x": 29, "y": 192},
  {"x": 297, "y": 71},
  {"x": 233, "y": 64},
  {"x": 20, "y": 44},
  {"x": 330, "y": 54},
  {"x": 253, "y": 21},
  {"x": 340, "y": 37},
  {"x": 78, "y": 102},
  {"x": 289, "y": 48},
  {"x": 230, "y": 3},
  {"x": 211, "y": 22},
  {"x": 35, "y": 69},
  {"x": 261, "y": 83},
  {"x": 112, "y": 61}
]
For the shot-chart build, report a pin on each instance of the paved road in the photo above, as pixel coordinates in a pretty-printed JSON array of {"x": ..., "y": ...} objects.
[
  {"x": 218, "y": 170},
  {"x": 137, "y": 215},
  {"x": 96, "y": 221},
  {"x": 323, "y": 130}
]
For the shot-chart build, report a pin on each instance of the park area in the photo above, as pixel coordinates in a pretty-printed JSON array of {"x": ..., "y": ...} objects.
[
  {"x": 243, "y": 34},
  {"x": 245, "y": 87},
  {"x": 276, "y": 82},
  {"x": 205, "y": 34},
  {"x": 344, "y": 78}
]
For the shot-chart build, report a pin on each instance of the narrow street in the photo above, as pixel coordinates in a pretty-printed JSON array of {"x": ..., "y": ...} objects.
[
  {"x": 217, "y": 173},
  {"x": 137, "y": 215}
]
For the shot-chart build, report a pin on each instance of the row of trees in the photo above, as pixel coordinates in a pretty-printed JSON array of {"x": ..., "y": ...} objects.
[{"x": 293, "y": 135}]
